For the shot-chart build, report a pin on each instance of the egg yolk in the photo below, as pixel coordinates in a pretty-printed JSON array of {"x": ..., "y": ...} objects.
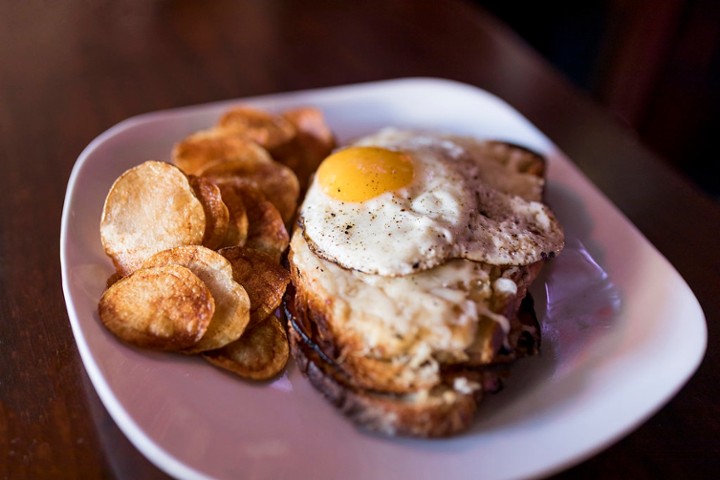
[{"x": 357, "y": 174}]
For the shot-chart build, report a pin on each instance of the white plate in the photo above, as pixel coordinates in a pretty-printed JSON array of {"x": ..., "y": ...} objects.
[{"x": 622, "y": 334}]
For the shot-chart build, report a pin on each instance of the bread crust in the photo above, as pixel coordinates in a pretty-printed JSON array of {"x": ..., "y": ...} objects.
[{"x": 439, "y": 412}]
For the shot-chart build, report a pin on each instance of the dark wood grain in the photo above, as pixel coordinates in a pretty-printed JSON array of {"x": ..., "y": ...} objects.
[{"x": 69, "y": 70}]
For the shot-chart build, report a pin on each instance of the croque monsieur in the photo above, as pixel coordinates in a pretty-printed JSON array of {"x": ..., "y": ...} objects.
[{"x": 410, "y": 270}]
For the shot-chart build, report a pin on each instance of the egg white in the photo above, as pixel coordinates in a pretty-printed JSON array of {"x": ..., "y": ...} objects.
[{"x": 452, "y": 209}]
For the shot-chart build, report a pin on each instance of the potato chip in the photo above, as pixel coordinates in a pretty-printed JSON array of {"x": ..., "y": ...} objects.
[
  {"x": 276, "y": 181},
  {"x": 260, "y": 354},
  {"x": 262, "y": 277},
  {"x": 208, "y": 146},
  {"x": 163, "y": 308},
  {"x": 270, "y": 131},
  {"x": 234, "y": 188},
  {"x": 232, "y": 305},
  {"x": 311, "y": 127},
  {"x": 217, "y": 216},
  {"x": 266, "y": 229},
  {"x": 113, "y": 279},
  {"x": 149, "y": 208},
  {"x": 313, "y": 142},
  {"x": 238, "y": 231}
]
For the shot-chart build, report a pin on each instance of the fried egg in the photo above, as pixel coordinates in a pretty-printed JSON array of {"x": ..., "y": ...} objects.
[{"x": 399, "y": 202}]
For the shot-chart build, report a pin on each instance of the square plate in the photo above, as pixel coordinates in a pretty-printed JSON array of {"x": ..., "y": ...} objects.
[{"x": 610, "y": 305}]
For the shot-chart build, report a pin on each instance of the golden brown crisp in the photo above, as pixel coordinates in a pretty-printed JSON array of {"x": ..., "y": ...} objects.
[
  {"x": 260, "y": 354},
  {"x": 199, "y": 149},
  {"x": 238, "y": 227},
  {"x": 266, "y": 129},
  {"x": 217, "y": 216},
  {"x": 266, "y": 230},
  {"x": 149, "y": 208},
  {"x": 261, "y": 276},
  {"x": 163, "y": 308},
  {"x": 313, "y": 142},
  {"x": 276, "y": 181},
  {"x": 232, "y": 305}
]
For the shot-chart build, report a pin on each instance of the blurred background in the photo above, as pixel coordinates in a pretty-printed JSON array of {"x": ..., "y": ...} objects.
[{"x": 655, "y": 64}]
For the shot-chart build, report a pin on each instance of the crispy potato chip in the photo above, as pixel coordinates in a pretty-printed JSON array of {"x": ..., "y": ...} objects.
[
  {"x": 149, "y": 208},
  {"x": 235, "y": 234},
  {"x": 238, "y": 231},
  {"x": 262, "y": 277},
  {"x": 208, "y": 146},
  {"x": 232, "y": 305},
  {"x": 260, "y": 354},
  {"x": 313, "y": 142},
  {"x": 163, "y": 308},
  {"x": 270, "y": 131},
  {"x": 276, "y": 181},
  {"x": 217, "y": 216},
  {"x": 311, "y": 127},
  {"x": 234, "y": 188},
  {"x": 266, "y": 229},
  {"x": 113, "y": 279}
]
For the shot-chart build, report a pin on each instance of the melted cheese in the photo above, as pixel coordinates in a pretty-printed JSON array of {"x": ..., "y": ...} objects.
[{"x": 414, "y": 319}]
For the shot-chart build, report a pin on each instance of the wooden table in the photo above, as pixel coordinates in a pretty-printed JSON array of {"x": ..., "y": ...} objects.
[{"x": 69, "y": 70}]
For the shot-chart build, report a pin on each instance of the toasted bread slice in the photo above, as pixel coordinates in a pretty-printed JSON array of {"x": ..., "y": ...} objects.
[
  {"x": 402, "y": 348},
  {"x": 444, "y": 410}
]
